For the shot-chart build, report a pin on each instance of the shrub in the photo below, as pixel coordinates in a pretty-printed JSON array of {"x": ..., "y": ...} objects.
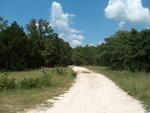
[
  {"x": 60, "y": 71},
  {"x": 6, "y": 83},
  {"x": 45, "y": 79},
  {"x": 73, "y": 73},
  {"x": 29, "y": 83}
]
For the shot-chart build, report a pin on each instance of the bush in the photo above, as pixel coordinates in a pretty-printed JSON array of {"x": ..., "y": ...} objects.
[
  {"x": 30, "y": 83},
  {"x": 60, "y": 71},
  {"x": 6, "y": 83},
  {"x": 73, "y": 73},
  {"x": 45, "y": 79}
]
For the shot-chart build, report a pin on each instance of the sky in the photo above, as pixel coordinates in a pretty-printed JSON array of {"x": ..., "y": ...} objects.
[{"x": 81, "y": 22}]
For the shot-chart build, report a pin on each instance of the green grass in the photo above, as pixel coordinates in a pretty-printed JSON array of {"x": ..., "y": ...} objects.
[
  {"x": 136, "y": 84},
  {"x": 12, "y": 101}
]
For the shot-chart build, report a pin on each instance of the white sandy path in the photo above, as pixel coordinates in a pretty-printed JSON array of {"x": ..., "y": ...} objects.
[{"x": 94, "y": 93}]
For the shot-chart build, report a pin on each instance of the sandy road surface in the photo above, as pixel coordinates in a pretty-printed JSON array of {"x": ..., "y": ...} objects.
[{"x": 93, "y": 93}]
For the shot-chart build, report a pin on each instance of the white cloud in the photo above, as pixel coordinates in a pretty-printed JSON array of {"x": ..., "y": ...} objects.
[
  {"x": 101, "y": 42},
  {"x": 127, "y": 11},
  {"x": 75, "y": 43},
  {"x": 91, "y": 45},
  {"x": 61, "y": 21}
]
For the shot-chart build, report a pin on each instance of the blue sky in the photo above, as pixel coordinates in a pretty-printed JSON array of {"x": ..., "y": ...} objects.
[{"x": 94, "y": 19}]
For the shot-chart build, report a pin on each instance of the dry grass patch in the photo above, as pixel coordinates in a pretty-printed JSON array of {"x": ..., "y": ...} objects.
[{"x": 12, "y": 101}]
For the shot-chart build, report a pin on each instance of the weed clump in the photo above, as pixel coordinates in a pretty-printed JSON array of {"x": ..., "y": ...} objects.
[
  {"x": 60, "y": 71},
  {"x": 6, "y": 83},
  {"x": 29, "y": 83}
]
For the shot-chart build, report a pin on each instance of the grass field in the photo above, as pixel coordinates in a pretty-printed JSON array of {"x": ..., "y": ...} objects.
[
  {"x": 137, "y": 84},
  {"x": 14, "y": 100}
]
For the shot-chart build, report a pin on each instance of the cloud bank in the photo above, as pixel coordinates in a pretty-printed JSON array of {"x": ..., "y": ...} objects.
[
  {"x": 127, "y": 11},
  {"x": 61, "y": 21}
]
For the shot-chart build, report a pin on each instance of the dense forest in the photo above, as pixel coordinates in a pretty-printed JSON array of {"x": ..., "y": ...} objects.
[
  {"x": 39, "y": 46},
  {"x": 125, "y": 50}
]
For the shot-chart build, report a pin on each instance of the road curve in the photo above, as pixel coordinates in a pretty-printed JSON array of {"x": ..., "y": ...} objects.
[{"x": 94, "y": 93}]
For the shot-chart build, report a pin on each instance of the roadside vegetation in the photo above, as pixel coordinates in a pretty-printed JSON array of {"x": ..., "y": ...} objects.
[
  {"x": 26, "y": 89},
  {"x": 136, "y": 84}
]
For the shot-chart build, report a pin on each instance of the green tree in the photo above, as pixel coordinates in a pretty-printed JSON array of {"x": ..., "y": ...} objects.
[
  {"x": 3, "y": 24},
  {"x": 14, "y": 42}
]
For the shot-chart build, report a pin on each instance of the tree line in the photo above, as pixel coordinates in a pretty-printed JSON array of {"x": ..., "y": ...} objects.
[
  {"x": 38, "y": 46},
  {"x": 125, "y": 50}
]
